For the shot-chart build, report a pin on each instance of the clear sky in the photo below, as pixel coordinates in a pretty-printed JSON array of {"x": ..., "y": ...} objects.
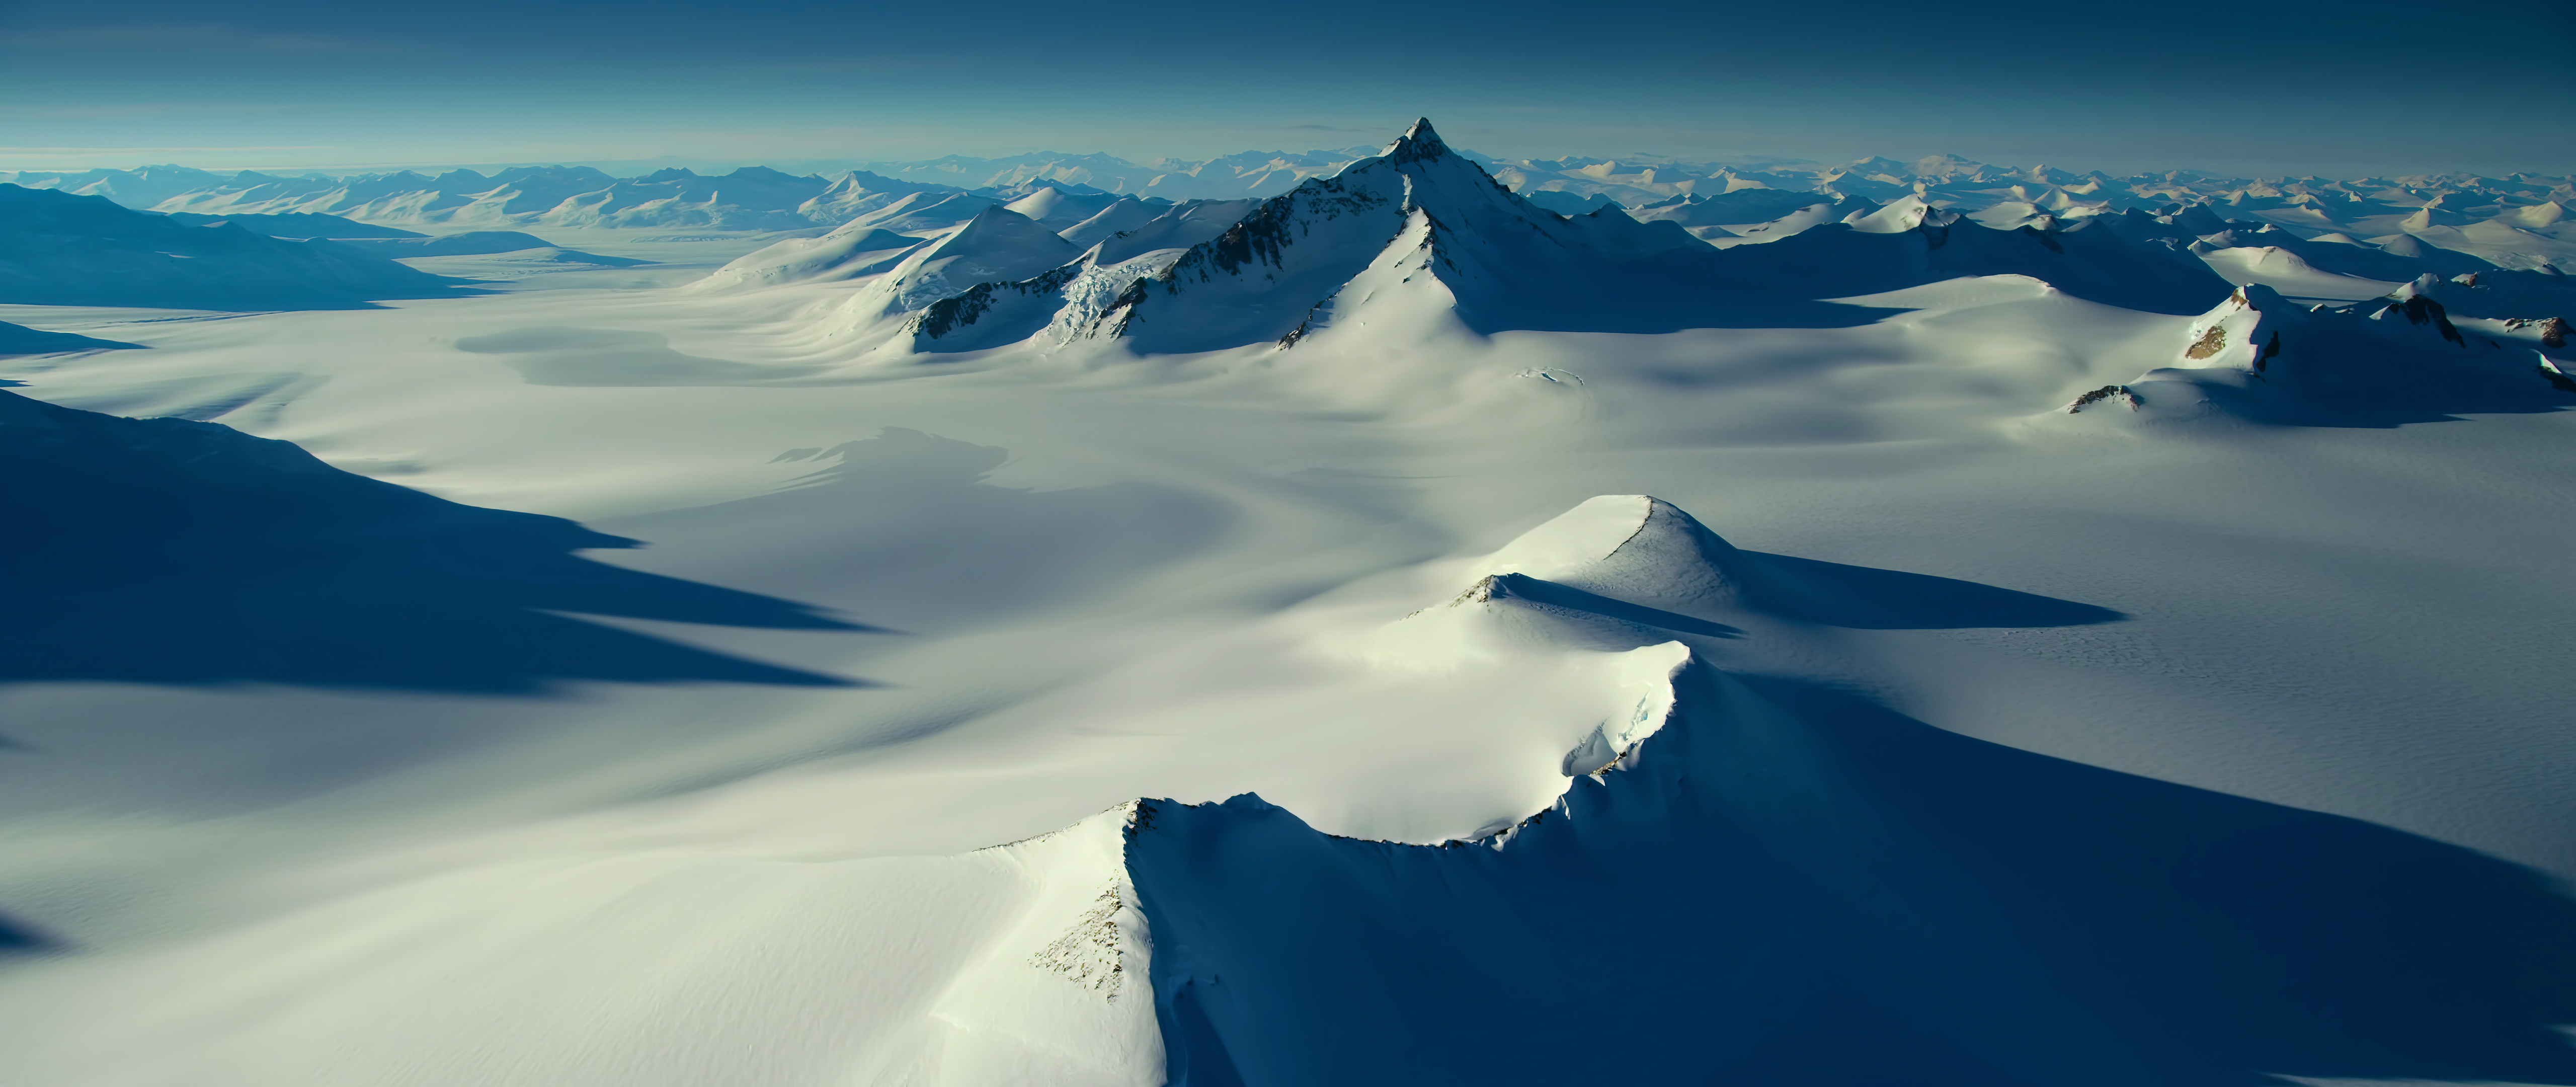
[{"x": 2366, "y": 86}]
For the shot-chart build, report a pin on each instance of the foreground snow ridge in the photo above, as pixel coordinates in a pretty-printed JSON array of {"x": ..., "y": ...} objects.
[{"x": 1752, "y": 868}]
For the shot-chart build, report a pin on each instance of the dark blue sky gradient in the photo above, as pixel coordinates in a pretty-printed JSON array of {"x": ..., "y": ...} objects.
[{"x": 2337, "y": 89}]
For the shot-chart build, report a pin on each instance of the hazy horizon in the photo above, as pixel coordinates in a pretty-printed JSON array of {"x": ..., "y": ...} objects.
[
  {"x": 2378, "y": 89},
  {"x": 134, "y": 159}
]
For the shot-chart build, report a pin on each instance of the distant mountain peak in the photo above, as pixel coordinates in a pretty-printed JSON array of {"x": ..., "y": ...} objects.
[
  {"x": 1418, "y": 144},
  {"x": 995, "y": 218}
]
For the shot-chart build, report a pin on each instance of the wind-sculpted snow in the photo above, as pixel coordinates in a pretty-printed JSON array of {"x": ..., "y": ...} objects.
[{"x": 63, "y": 250}]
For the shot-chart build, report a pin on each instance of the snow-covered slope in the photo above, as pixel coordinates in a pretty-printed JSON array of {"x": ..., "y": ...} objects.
[
  {"x": 1767, "y": 862},
  {"x": 2403, "y": 357},
  {"x": 1071, "y": 656},
  {"x": 477, "y": 243},
  {"x": 997, "y": 246},
  {"x": 924, "y": 212},
  {"x": 859, "y": 192},
  {"x": 1422, "y": 234},
  {"x": 1177, "y": 227},
  {"x": 1120, "y": 216},
  {"x": 859, "y": 249},
  {"x": 1061, "y": 210}
]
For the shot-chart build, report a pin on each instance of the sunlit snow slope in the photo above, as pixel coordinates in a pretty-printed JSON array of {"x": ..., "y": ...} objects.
[{"x": 1389, "y": 620}]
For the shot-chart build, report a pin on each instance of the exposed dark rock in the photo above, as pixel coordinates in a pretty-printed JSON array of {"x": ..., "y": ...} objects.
[
  {"x": 2419, "y": 309},
  {"x": 2553, "y": 330},
  {"x": 2097, "y": 396},
  {"x": 962, "y": 309}
]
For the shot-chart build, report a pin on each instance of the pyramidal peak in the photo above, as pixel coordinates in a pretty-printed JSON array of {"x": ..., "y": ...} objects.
[
  {"x": 996, "y": 219},
  {"x": 1418, "y": 144},
  {"x": 997, "y": 245},
  {"x": 1633, "y": 548},
  {"x": 1616, "y": 574}
]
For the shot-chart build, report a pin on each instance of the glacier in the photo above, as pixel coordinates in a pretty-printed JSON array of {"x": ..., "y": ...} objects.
[{"x": 1385, "y": 615}]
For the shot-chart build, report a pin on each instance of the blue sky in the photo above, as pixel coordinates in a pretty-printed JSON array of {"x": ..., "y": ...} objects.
[{"x": 2337, "y": 89}]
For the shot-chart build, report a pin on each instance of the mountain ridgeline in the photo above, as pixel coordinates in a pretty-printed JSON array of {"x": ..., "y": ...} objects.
[
  {"x": 1420, "y": 237},
  {"x": 61, "y": 249},
  {"x": 1421, "y": 229}
]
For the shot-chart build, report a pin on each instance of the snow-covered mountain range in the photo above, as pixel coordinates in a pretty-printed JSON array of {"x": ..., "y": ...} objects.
[
  {"x": 2519, "y": 213},
  {"x": 62, "y": 249},
  {"x": 1421, "y": 237},
  {"x": 1379, "y": 617}
]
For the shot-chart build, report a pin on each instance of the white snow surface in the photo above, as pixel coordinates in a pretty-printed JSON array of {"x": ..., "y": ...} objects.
[{"x": 1433, "y": 566}]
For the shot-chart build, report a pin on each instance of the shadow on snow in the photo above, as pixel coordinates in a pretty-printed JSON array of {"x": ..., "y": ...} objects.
[
  {"x": 1793, "y": 885},
  {"x": 169, "y": 551}
]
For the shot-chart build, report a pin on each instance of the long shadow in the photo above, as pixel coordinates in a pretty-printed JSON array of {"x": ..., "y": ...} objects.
[
  {"x": 1837, "y": 261},
  {"x": 1868, "y": 598},
  {"x": 2439, "y": 397},
  {"x": 2345, "y": 370},
  {"x": 1785, "y": 284},
  {"x": 1666, "y": 293},
  {"x": 169, "y": 551},
  {"x": 21, "y": 340},
  {"x": 17, "y": 938},
  {"x": 1552, "y": 594},
  {"x": 1795, "y": 886}
]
